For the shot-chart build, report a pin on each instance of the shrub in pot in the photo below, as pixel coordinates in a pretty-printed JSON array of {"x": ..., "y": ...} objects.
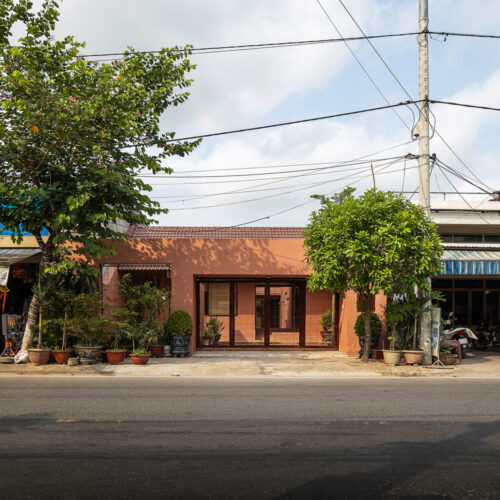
[
  {"x": 141, "y": 336},
  {"x": 178, "y": 327},
  {"x": 326, "y": 324},
  {"x": 90, "y": 327},
  {"x": 213, "y": 330},
  {"x": 376, "y": 328}
]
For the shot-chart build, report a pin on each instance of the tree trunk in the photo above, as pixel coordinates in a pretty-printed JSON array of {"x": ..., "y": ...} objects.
[
  {"x": 368, "y": 331},
  {"x": 31, "y": 320},
  {"x": 414, "y": 340}
]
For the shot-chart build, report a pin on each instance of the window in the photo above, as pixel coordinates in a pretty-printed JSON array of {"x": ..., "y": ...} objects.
[{"x": 218, "y": 299}]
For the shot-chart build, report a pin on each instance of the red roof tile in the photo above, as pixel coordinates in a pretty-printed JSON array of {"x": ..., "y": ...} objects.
[{"x": 190, "y": 232}]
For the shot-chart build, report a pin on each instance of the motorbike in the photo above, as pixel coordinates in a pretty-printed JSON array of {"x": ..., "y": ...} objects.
[
  {"x": 464, "y": 335},
  {"x": 486, "y": 337}
]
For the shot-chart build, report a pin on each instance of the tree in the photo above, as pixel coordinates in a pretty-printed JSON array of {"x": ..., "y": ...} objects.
[
  {"x": 379, "y": 242},
  {"x": 75, "y": 134}
]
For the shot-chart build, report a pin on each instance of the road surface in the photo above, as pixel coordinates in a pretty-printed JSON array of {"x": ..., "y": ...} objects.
[{"x": 94, "y": 437}]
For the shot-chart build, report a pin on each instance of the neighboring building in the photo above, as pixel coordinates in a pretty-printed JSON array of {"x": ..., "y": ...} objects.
[{"x": 470, "y": 280}]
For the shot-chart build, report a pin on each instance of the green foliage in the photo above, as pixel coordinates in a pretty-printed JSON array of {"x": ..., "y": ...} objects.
[
  {"x": 178, "y": 323},
  {"x": 377, "y": 242},
  {"x": 326, "y": 321},
  {"x": 88, "y": 323},
  {"x": 139, "y": 350},
  {"x": 212, "y": 327},
  {"x": 75, "y": 134},
  {"x": 144, "y": 303},
  {"x": 142, "y": 334},
  {"x": 375, "y": 324}
]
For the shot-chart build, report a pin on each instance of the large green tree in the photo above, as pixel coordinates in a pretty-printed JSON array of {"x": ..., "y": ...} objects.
[
  {"x": 75, "y": 134},
  {"x": 379, "y": 242}
]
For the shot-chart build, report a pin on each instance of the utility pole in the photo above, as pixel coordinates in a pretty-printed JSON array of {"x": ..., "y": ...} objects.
[{"x": 423, "y": 149}]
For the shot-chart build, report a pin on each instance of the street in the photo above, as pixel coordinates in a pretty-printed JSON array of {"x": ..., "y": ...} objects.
[{"x": 97, "y": 437}]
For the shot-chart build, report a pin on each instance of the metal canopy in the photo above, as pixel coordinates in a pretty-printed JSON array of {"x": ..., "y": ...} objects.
[
  {"x": 9, "y": 256},
  {"x": 471, "y": 254}
]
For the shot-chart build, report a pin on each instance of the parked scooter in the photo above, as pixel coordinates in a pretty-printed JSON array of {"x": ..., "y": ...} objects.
[
  {"x": 463, "y": 334},
  {"x": 487, "y": 337}
]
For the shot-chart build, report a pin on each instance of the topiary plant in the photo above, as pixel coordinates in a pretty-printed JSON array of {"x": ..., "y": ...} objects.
[
  {"x": 178, "y": 323},
  {"x": 326, "y": 321},
  {"x": 375, "y": 324}
]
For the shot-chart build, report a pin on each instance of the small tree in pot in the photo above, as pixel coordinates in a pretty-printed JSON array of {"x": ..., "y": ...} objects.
[
  {"x": 178, "y": 327},
  {"x": 327, "y": 324},
  {"x": 90, "y": 327},
  {"x": 213, "y": 330}
]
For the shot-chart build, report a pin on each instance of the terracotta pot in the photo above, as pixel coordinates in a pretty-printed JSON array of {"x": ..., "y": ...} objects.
[
  {"x": 448, "y": 359},
  {"x": 116, "y": 357},
  {"x": 139, "y": 359},
  {"x": 156, "y": 350},
  {"x": 414, "y": 357},
  {"x": 61, "y": 356},
  {"x": 39, "y": 356},
  {"x": 392, "y": 358}
]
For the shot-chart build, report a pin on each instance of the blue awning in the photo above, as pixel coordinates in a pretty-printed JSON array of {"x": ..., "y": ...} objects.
[{"x": 471, "y": 262}]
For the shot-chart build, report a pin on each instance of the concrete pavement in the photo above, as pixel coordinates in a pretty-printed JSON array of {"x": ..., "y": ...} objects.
[{"x": 243, "y": 364}]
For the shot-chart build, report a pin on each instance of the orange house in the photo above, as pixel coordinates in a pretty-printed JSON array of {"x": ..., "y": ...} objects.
[{"x": 253, "y": 279}]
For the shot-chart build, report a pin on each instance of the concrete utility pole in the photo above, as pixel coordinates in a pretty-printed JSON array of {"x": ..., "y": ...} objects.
[{"x": 423, "y": 150}]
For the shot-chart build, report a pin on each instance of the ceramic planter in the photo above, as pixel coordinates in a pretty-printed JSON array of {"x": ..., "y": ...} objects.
[
  {"x": 89, "y": 355},
  {"x": 414, "y": 357},
  {"x": 61, "y": 356},
  {"x": 205, "y": 341},
  {"x": 116, "y": 357},
  {"x": 391, "y": 358},
  {"x": 139, "y": 359},
  {"x": 156, "y": 350},
  {"x": 180, "y": 345},
  {"x": 373, "y": 343},
  {"x": 39, "y": 356},
  {"x": 215, "y": 338}
]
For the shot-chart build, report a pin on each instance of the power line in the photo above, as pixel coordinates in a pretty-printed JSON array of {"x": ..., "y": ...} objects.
[
  {"x": 408, "y": 95},
  {"x": 258, "y": 174},
  {"x": 279, "y": 194},
  {"x": 244, "y": 190},
  {"x": 474, "y": 106},
  {"x": 282, "y": 124},
  {"x": 251, "y": 46},
  {"x": 361, "y": 65}
]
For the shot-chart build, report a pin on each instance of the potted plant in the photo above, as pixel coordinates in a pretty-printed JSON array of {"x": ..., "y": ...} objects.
[
  {"x": 179, "y": 327},
  {"x": 65, "y": 298},
  {"x": 446, "y": 355},
  {"x": 394, "y": 313},
  {"x": 213, "y": 330},
  {"x": 42, "y": 292},
  {"x": 117, "y": 354},
  {"x": 90, "y": 327},
  {"x": 144, "y": 304},
  {"x": 376, "y": 328},
  {"x": 141, "y": 336},
  {"x": 326, "y": 324}
]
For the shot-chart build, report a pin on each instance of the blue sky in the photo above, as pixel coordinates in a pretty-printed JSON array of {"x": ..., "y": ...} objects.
[{"x": 245, "y": 89}]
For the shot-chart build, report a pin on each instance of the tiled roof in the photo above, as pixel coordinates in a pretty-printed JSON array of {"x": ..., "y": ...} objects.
[{"x": 190, "y": 232}]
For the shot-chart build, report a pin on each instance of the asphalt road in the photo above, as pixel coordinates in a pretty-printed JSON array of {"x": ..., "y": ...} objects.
[{"x": 93, "y": 437}]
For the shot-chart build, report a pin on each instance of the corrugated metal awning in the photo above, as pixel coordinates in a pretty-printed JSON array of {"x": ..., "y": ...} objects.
[
  {"x": 145, "y": 267},
  {"x": 9, "y": 256},
  {"x": 455, "y": 254}
]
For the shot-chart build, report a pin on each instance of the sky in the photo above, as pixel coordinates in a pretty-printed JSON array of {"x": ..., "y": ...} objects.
[{"x": 252, "y": 88}]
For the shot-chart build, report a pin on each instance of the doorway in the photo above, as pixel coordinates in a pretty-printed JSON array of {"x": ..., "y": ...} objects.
[{"x": 254, "y": 313}]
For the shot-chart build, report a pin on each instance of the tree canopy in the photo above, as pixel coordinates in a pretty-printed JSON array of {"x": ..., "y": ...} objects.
[
  {"x": 75, "y": 134},
  {"x": 378, "y": 242}
]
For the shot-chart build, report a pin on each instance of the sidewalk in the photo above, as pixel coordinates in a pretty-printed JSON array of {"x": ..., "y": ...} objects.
[{"x": 243, "y": 364}]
